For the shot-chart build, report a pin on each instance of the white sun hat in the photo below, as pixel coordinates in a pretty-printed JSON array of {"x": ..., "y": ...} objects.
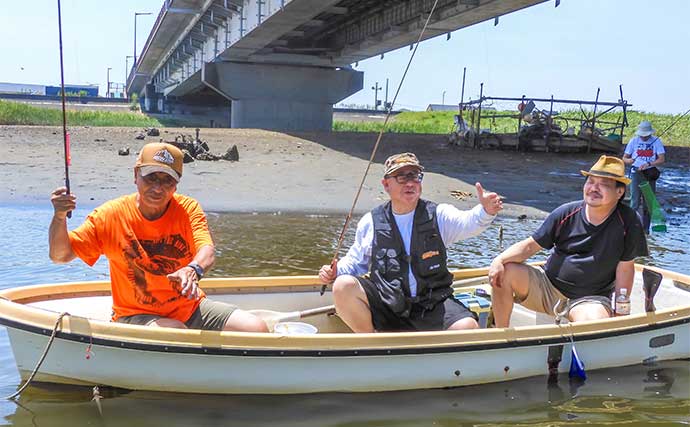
[{"x": 645, "y": 128}]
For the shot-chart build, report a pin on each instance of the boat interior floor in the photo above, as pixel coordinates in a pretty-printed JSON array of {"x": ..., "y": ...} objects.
[{"x": 670, "y": 294}]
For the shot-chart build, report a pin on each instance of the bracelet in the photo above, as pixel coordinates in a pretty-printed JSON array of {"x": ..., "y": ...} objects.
[{"x": 197, "y": 269}]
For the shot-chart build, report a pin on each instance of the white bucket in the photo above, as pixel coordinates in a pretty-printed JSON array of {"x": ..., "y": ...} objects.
[{"x": 295, "y": 328}]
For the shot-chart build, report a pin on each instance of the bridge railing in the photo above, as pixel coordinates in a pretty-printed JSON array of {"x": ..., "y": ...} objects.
[{"x": 149, "y": 39}]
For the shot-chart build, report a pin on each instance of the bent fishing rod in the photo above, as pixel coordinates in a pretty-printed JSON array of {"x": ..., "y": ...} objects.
[
  {"x": 674, "y": 123},
  {"x": 389, "y": 110},
  {"x": 65, "y": 135}
]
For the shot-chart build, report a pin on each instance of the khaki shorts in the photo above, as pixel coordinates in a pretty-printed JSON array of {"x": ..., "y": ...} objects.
[
  {"x": 542, "y": 296},
  {"x": 441, "y": 317},
  {"x": 209, "y": 315}
]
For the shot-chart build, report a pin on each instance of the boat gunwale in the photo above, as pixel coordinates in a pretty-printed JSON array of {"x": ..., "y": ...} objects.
[{"x": 76, "y": 328}]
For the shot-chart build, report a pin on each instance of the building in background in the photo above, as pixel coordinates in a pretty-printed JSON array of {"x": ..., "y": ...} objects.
[
  {"x": 31, "y": 89},
  {"x": 22, "y": 89}
]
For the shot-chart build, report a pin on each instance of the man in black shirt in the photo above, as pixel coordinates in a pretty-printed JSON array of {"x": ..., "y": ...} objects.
[{"x": 595, "y": 242}]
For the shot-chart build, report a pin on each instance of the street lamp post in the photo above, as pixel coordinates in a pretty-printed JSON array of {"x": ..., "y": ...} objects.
[
  {"x": 107, "y": 91},
  {"x": 135, "y": 35},
  {"x": 376, "y": 88},
  {"x": 443, "y": 98}
]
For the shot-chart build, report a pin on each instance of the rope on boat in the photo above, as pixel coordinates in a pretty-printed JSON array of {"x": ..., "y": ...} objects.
[
  {"x": 378, "y": 140},
  {"x": 41, "y": 359}
]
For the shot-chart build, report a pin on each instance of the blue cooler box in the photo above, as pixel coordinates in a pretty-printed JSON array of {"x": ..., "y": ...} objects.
[{"x": 478, "y": 301}]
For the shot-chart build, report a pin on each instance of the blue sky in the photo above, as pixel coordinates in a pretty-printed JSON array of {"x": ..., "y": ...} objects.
[{"x": 567, "y": 51}]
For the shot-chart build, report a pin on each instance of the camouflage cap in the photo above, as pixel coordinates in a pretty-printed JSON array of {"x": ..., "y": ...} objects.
[{"x": 398, "y": 161}]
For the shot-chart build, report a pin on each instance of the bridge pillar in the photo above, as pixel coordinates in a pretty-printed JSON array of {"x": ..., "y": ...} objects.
[
  {"x": 281, "y": 97},
  {"x": 151, "y": 99}
]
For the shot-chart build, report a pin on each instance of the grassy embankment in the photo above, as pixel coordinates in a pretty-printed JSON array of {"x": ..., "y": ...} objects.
[
  {"x": 15, "y": 113},
  {"x": 442, "y": 123}
]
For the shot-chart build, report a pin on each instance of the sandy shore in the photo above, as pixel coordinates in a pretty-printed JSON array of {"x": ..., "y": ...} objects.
[{"x": 304, "y": 172}]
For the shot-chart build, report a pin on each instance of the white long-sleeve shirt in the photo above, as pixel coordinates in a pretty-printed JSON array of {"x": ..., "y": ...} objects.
[{"x": 453, "y": 224}]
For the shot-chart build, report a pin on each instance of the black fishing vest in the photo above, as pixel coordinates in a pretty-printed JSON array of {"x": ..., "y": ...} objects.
[{"x": 390, "y": 264}]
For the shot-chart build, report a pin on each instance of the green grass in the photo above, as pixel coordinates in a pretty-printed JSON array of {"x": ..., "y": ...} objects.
[
  {"x": 17, "y": 113},
  {"x": 442, "y": 123}
]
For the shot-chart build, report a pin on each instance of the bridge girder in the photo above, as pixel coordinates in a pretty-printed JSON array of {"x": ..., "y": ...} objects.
[{"x": 311, "y": 33}]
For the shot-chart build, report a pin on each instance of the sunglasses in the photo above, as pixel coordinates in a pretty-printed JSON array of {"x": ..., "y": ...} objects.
[
  {"x": 407, "y": 177},
  {"x": 165, "y": 181}
]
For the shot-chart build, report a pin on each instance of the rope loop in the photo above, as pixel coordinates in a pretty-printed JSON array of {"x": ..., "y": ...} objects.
[{"x": 41, "y": 359}]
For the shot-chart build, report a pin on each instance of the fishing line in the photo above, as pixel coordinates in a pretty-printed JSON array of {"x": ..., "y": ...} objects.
[
  {"x": 334, "y": 261},
  {"x": 673, "y": 124}
]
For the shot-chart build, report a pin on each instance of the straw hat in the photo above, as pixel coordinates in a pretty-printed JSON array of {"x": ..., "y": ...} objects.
[{"x": 608, "y": 167}]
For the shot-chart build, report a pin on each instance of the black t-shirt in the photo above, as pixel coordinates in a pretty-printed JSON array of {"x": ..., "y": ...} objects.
[{"x": 585, "y": 256}]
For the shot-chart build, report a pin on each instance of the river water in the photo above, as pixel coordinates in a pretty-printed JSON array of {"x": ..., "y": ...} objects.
[{"x": 275, "y": 244}]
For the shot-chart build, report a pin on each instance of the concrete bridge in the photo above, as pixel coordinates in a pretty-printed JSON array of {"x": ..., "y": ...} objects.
[{"x": 281, "y": 64}]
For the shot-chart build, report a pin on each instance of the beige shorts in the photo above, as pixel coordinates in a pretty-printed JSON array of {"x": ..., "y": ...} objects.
[
  {"x": 209, "y": 315},
  {"x": 542, "y": 296}
]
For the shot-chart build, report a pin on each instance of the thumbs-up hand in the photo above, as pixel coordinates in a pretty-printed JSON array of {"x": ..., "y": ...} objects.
[{"x": 490, "y": 201}]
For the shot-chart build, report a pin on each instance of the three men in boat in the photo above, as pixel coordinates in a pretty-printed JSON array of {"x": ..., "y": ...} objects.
[
  {"x": 158, "y": 246},
  {"x": 395, "y": 277},
  {"x": 595, "y": 242}
]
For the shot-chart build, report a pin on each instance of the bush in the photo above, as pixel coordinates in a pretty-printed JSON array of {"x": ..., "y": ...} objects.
[{"x": 134, "y": 102}]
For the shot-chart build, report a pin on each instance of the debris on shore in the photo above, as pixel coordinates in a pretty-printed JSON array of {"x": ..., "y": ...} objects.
[{"x": 193, "y": 147}]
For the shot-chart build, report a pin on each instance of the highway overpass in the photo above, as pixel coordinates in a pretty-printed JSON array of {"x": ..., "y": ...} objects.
[{"x": 281, "y": 64}]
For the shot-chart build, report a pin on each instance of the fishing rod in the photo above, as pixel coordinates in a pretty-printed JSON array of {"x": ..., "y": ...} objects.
[
  {"x": 334, "y": 261},
  {"x": 65, "y": 135},
  {"x": 668, "y": 128},
  {"x": 674, "y": 123}
]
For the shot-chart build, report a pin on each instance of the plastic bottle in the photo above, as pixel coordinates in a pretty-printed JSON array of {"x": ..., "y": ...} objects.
[{"x": 622, "y": 303}]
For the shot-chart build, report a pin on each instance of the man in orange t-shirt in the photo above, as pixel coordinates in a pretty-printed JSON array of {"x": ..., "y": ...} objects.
[{"x": 158, "y": 247}]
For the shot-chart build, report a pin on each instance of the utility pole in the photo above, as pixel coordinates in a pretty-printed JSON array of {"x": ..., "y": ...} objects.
[
  {"x": 443, "y": 98},
  {"x": 107, "y": 91},
  {"x": 376, "y": 88}
]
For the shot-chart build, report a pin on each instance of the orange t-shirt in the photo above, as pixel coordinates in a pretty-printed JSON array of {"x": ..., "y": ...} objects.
[{"x": 141, "y": 253}]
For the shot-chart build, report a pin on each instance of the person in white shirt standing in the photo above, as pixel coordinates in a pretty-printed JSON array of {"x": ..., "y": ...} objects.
[
  {"x": 643, "y": 153},
  {"x": 395, "y": 275}
]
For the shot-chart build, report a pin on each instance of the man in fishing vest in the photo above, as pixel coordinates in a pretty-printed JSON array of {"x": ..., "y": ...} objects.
[
  {"x": 158, "y": 247},
  {"x": 644, "y": 153},
  {"x": 395, "y": 277},
  {"x": 594, "y": 244}
]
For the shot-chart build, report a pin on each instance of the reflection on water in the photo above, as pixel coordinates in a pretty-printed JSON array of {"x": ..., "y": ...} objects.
[
  {"x": 608, "y": 397},
  {"x": 265, "y": 244}
]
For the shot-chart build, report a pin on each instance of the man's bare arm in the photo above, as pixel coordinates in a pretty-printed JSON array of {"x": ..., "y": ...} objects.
[{"x": 60, "y": 248}]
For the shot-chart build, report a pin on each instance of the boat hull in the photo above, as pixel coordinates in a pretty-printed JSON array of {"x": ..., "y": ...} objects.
[
  {"x": 196, "y": 371},
  {"x": 88, "y": 351}
]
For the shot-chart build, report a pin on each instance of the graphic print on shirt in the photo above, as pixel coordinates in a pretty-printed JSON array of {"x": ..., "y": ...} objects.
[
  {"x": 157, "y": 257},
  {"x": 645, "y": 150}
]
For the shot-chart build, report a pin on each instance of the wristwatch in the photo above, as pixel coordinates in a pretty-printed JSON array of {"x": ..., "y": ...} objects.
[{"x": 197, "y": 269}]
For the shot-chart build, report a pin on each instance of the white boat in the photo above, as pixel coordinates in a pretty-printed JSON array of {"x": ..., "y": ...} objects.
[{"x": 88, "y": 349}]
